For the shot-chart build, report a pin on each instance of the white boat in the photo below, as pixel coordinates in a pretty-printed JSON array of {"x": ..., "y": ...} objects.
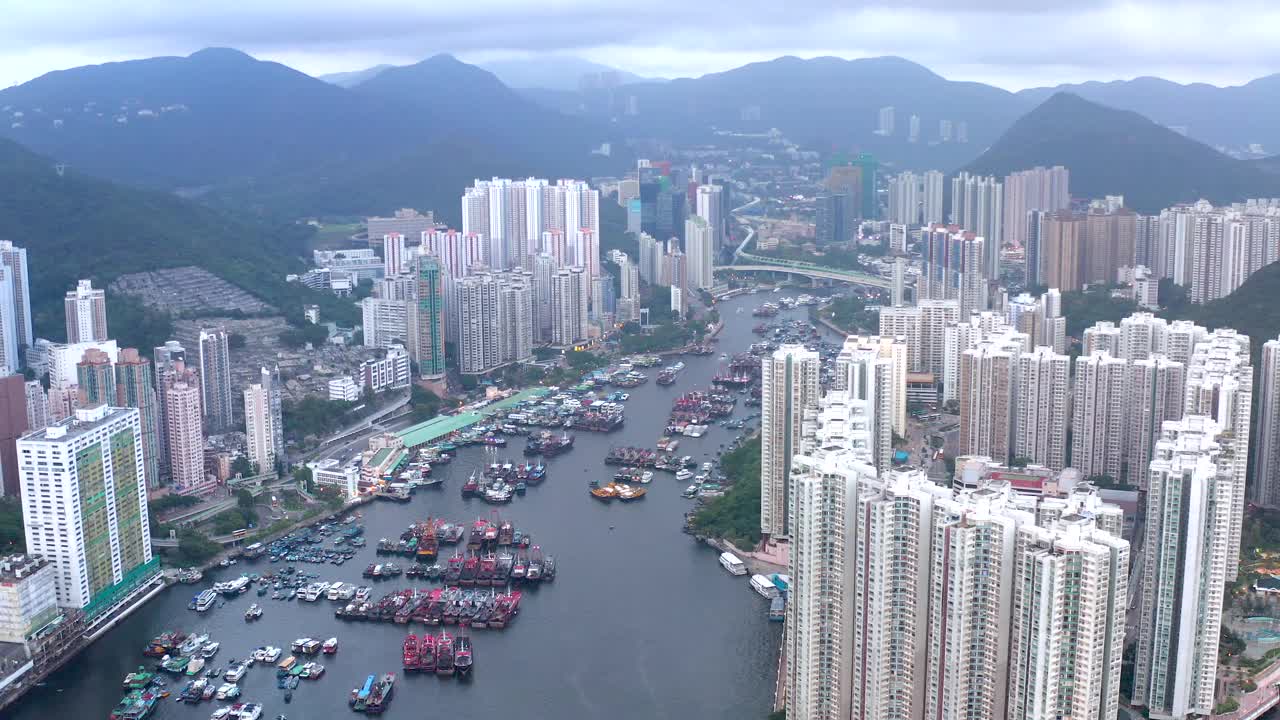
[
  {"x": 210, "y": 650},
  {"x": 683, "y": 474},
  {"x": 250, "y": 711},
  {"x": 227, "y": 691},
  {"x": 730, "y": 562},
  {"x": 235, "y": 673},
  {"x": 204, "y": 601},
  {"x": 335, "y": 591},
  {"x": 195, "y": 666},
  {"x": 646, "y": 477},
  {"x": 221, "y": 713},
  {"x": 233, "y": 587},
  {"x": 764, "y": 586},
  {"x": 268, "y": 654}
]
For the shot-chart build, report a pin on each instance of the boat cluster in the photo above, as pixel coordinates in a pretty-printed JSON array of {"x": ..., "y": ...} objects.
[
  {"x": 465, "y": 607},
  {"x": 443, "y": 655},
  {"x": 308, "y": 544}
]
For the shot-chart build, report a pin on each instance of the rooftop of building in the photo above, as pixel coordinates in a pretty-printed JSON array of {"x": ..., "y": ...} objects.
[
  {"x": 84, "y": 421},
  {"x": 16, "y": 567}
]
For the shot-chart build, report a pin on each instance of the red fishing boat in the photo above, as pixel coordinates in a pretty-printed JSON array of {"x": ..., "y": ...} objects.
[
  {"x": 412, "y": 660},
  {"x": 427, "y": 653},
  {"x": 444, "y": 654}
]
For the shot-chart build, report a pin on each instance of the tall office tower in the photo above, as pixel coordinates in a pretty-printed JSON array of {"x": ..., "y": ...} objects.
[
  {"x": 1103, "y": 336},
  {"x": 1043, "y": 402},
  {"x": 569, "y": 290},
  {"x": 699, "y": 248},
  {"x": 260, "y": 425},
  {"x": 710, "y": 206},
  {"x": 184, "y": 433},
  {"x": 1155, "y": 393},
  {"x": 1060, "y": 251},
  {"x": 987, "y": 397},
  {"x": 37, "y": 405},
  {"x": 904, "y": 198},
  {"x": 931, "y": 198},
  {"x": 897, "y": 297},
  {"x": 662, "y": 206},
  {"x": 86, "y": 314},
  {"x": 384, "y": 322},
  {"x": 1266, "y": 443},
  {"x": 1185, "y": 567},
  {"x": 1043, "y": 189},
  {"x": 1098, "y": 415},
  {"x": 1220, "y": 386},
  {"x": 873, "y": 370},
  {"x": 789, "y": 388},
  {"x": 101, "y": 550},
  {"x": 831, "y": 223},
  {"x": 427, "y": 325},
  {"x": 650, "y": 254},
  {"x": 13, "y": 424},
  {"x": 885, "y": 125},
  {"x": 14, "y": 260},
  {"x": 394, "y": 259},
  {"x": 977, "y": 204},
  {"x": 457, "y": 252},
  {"x": 1066, "y": 638},
  {"x": 96, "y": 378},
  {"x": 135, "y": 388},
  {"x": 952, "y": 268},
  {"x": 215, "y": 378}
]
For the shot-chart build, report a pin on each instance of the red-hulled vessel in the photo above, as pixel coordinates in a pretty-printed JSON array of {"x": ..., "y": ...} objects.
[
  {"x": 427, "y": 654},
  {"x": 412, "y": 659},
  {"x": 444, "y": 654}
]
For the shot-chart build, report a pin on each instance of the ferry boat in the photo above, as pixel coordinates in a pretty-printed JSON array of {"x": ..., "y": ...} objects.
[
  {"x": 208, "y": 651},
  {"x": 462, "y": 659},
  {"x": 204, "y": 601},
  {"x": 764, "y": 586},
  {"x": 730, "y": 562}
]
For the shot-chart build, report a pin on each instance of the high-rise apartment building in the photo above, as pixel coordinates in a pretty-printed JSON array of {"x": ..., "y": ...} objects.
[
  {"x": 1107, "y": 244},
  {"x": 884, "y": 125},
  {"x": 37, "y": 405},
  {"x": 987, "y": 387},
  {"x": 385, "y": 322},
  {"x": 977, "y": 204},
  {"x": 262, "y": 423},
  {"x": 1220, "y": 386},
  {"x": 135, "y": 389},
  {"x": 952, "y": 268},
  {"x": 14, "y": 260},
  {"x": 931, "y": 210},
  {"x": 13, "y": 423},
  {"x": 96, "y": 378},
  {"x": 873, "y": 370},
  {"x": 215, "y": 378},
  {"x": 957, "y": 337},
  {"x": 923, "y": 326},
  {"x": 1154, "y": 394},
  {"x": 394, "y": 255},
  {"x": 86, "y": 310},
  {"x": 512, "y": 216},
  {"x": 495, "y": 320},
  {"x": 789, "y": 387},
  {"x": 699, "y": 250},
  {"x": 905, "y": 198},
  {"x": 427, "y": 328},
  {"x": 1043, "y": 408},
  {"x": 710, "y": 206},
  {"x": 1043, "y": 189},
  {"x": 457, "y": 252},
  {"x": 831, "y": 224},
  {"x": 569, "y": 320},
  {"x": 1186, "y": 558},
  {"x": 100, "y": 549},
  {"x": 1060, "y": 251},
  {"x": 184, "y": 432},
  {"x": 1098, "y": 415}
]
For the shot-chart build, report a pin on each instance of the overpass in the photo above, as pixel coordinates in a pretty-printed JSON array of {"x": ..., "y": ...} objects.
[{"x": 747, "y": 262}]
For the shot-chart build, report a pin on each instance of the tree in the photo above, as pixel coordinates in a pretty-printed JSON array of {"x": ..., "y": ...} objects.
[
  {"x": 245, "y": 500},
  {"x": 302, "y": 476},
  {"x": 236, "y": 341},
  {"x": 12, "y": 532},
  {"x": 242, "y": 467},
  {"x": 195, "y": 548}
]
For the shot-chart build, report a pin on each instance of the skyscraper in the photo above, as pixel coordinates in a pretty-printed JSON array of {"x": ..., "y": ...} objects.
[
  {"x": 699, "y": 248},
  {"x": 394, "y": 258},
  {"x": 13, "y": 423},
  {"x": 1185, "y": 566},
  {"x": 932, "y": 198},
  {"x": 96, "y": 378},
  {"x": 977, "y": 205},
  {"x": 385, "y": 322},
  {"x": 184, "y": 432},
  {"x": 101, "y": 550},
  {"x": 904, "y": 198},
  {"x": 831, "y": 223},
  {"x": 987, "y": 386},
  {"x": 428, "y": 325},
  {"x": 1043, "y": 189},
  {"x": 86, "y": 310},
  {"x": 952, "y": 268},
  {"x": 1043, "y": 401},
  {"x": 885, "y": 124},
  {"x": 789, "y": 388},
  {"x": 1155, "y": 393},
  {"x": 215, "y": 378},
  {"x": 1266, "y": 443},
  {"x": 9, "y": 331},
  {"x": 15, "y": 259},
  {"x": 711, "y": 208},
  {"x": 495, "y": 321},
  {"x": 1060, "y": 251},
  {"x": 457, "y": 252},
  {"x": 37, "y": 405},
  {"x": 135, "y": 389}
]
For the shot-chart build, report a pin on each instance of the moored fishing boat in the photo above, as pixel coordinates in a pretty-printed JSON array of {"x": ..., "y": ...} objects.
[
  {"x": 444, "y": 654},
  {"x": 462, "y": 659},
  {"x": 410, "y": 654}
]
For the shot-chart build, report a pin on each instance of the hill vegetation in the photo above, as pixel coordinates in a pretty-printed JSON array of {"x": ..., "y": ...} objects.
[{"x": 1117, "y": 152}]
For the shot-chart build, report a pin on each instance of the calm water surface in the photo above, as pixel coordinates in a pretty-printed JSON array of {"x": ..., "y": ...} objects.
[{"x": 641, "y": 622}]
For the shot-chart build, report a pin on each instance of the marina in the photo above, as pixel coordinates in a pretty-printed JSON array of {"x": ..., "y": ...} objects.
[{"x": 578, "y": 643}]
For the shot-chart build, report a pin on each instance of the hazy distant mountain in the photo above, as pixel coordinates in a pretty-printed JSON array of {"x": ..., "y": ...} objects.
[
  {"x": 1119, "y": 152},
  {"x": 557, "y": 72},
  {"x": 824, "y": 103},
  {"x": 264, "y": 134},
  {"x": 353, "y": 77},
  {"x": 1233, "y": 117}
]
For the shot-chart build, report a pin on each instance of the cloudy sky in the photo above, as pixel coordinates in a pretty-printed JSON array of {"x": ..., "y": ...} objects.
[{"x": 1010, "y": 43}]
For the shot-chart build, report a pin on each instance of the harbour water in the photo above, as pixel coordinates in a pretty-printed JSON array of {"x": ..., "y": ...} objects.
[{"x": 641, "y": 622}]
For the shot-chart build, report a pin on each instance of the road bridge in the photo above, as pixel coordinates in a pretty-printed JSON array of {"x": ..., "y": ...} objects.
[{"x": 747, "y": 262}]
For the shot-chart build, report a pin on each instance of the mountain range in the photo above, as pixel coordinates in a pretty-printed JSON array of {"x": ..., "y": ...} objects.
[
  {"x": 1119, "y": 152},
  {"x": 549, "y": 72},
  {"x": 239, "y": 131}
]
